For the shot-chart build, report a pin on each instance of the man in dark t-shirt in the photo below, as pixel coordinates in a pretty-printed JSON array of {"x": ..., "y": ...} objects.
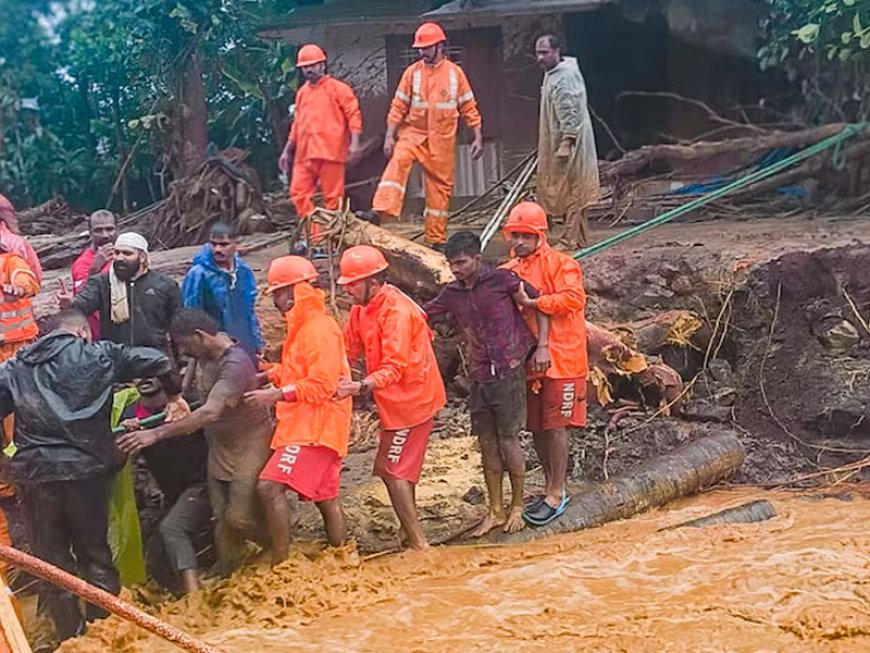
[
  {"x": 238, "y": 434},
  {"x": 178, "y": 467},
  {"x": 498, "y": 342}
]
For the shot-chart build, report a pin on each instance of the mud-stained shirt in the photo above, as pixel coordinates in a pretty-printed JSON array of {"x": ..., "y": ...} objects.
[
  {"x": 238, "y": 442},
  {"x": 497, "y": 338}
]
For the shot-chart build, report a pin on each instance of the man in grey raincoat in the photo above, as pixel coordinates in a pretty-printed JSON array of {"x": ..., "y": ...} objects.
[{"x": 567, "y": 178}]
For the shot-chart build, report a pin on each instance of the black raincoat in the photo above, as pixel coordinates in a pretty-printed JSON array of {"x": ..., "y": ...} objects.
[{"x": 60, "y": 389}]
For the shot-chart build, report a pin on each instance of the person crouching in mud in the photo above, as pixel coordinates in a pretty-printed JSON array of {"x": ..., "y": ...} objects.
[
  {"x": 237, "y": 433},
  {"x": 556, "y": 399},
  {"x": 313, "y": 430},
  {"x": 178, "y": 466},
  {"x": 498, "y": 342}
]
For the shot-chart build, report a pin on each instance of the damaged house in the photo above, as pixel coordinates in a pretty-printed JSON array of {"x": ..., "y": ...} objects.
[{"x": 702, "y": 49}]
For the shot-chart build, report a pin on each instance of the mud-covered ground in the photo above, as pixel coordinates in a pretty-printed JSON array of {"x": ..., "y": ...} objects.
[{"x": 787, "y": 302}]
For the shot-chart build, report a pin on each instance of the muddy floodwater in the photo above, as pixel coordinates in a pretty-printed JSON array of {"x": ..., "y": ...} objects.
[{"x": 799, "y": 582}]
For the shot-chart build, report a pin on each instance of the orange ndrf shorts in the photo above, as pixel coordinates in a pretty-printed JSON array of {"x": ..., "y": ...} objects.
[
  {"x": 400, "y": 453},
  {"x": 312, "y": 471},
  {"x": 556, "y": 404}
]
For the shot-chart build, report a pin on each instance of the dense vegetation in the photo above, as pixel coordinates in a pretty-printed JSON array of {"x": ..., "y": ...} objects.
[
  {"x": 825, "y": 45},
  {"x": 93, "y": 88}
]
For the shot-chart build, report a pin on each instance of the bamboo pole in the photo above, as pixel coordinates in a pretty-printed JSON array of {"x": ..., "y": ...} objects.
[
  {"x": 103, "y": 599},
  {"x": 13, "y": 636}
]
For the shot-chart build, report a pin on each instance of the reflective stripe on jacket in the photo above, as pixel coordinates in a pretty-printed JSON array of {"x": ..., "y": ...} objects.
[{"x": 17, "y": 323}]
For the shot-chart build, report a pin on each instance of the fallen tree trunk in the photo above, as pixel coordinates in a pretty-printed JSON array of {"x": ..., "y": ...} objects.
[
  {"x": 685, "y": 471},
  {"x": 659, "y": 159},
  {"x": 417, "y": 269},
  {"x": 747, "y": 513}
]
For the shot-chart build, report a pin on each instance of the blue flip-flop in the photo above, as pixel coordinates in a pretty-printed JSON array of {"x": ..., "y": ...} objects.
[{"x": 543, "y": 513}]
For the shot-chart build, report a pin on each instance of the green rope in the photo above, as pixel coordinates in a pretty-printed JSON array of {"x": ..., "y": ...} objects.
[{"x": 758, "y": 175}]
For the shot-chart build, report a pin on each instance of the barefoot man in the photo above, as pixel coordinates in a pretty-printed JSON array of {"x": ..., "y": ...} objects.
[
  {"x": 391, "y": 331},
  {"x": 498, "y": 342}
]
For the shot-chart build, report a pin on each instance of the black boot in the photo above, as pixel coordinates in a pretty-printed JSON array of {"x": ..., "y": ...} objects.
[{"x": 67, "y": 616}]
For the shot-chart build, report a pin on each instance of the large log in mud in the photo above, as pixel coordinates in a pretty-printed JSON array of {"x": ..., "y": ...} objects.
[
  {"x": 415, "y": 268},
  {"x": 746, "y": 513},
  {"x": 685, "y": 471}
]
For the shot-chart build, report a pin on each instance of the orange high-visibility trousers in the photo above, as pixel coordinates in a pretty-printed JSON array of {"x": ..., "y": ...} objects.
[
  {"x": 307, "y": 175},
  {"x": 439, "y": 167}
]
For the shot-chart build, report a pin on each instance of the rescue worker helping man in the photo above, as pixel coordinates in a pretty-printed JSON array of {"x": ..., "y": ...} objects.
[
  {"x": 324, "y": 136},
  {"x": 313, "y": 430},
  {"x": 556, "y": 399},
  {"x": 421, "y": 127}
]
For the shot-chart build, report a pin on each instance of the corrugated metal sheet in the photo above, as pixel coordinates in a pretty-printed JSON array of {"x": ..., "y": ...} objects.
[
  {"x": 472, "y": 8},
  {"x": 472, "y": 177}
]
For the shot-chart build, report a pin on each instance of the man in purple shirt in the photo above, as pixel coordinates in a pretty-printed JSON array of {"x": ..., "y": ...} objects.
[{"x": 498, "y": 344}]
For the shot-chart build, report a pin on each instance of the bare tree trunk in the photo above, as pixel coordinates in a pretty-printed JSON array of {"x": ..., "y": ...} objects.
[
  {"x": 192, "y": 115},
  {"x": 122, "y": 154}
]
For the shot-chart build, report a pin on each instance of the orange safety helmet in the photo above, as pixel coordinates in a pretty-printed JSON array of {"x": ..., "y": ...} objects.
[
  {"x": 429, "y": 34},
  {"x": 527, "y": 218},
  {"x": 288, "y": 271},
  {"x": 361, "y": 262},
  {"x": 309, "y": 55}
]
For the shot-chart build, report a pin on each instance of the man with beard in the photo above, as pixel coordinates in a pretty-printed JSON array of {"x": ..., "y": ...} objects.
[
  {"x": 97, "y": 257},
  {"x": 136, "y": 304},
  {"x": 223, "y": 285},
  {"x": 421, "y": 127},
  {"x": 325, "y": 134}
]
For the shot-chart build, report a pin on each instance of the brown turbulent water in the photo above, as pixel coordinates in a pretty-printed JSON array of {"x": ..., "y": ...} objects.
[{"x": 799, "y": 582}]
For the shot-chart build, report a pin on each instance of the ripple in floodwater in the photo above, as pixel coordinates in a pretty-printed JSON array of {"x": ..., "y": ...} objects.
[{"x": 799, "y": 582}]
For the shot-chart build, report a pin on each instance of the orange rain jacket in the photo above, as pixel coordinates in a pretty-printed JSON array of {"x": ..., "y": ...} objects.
[
  {"x": 559, "y": 279},
  {"x": 394, "y": 335},
  {"x": 314, "y": 358},
  {"x": 17, "y": 324},
  {"x": 327, "y": 113},
  {"x": 429, "y": 101}
]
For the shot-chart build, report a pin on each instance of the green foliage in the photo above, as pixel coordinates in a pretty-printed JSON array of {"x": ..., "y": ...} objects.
[
  {"x": 826, "y": 45},
  {"x": 106, "y": 75}
]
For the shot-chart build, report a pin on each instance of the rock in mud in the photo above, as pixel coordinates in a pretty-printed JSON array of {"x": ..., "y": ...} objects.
[
  {"x": 701, "y": 410},
  {"x": 838, "y": 336}
]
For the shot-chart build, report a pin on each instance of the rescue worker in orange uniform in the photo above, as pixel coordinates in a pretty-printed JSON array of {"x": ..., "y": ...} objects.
[
  {"x": 13, "y": 242},
  {"x": 313, "y": 430},
  {"x": 392, "y": 333},
  {"x": 324, "y": 136},
  {"x": 421, "y": 126},
  {"x": 17, "y": 329},
  {"x": 556, "y": 400}
]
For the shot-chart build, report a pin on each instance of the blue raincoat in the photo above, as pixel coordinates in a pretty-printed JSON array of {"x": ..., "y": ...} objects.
[{"x": 228, "y": 297}]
